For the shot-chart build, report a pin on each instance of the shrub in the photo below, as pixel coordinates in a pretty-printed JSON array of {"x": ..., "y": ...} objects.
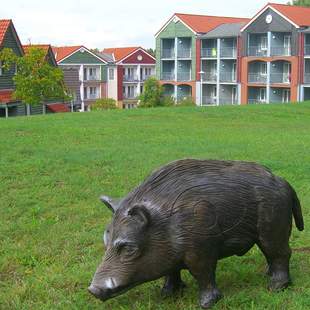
[
  {"x": 104, "y": 104},
  {"x": 186, "y": 102},
  {"x": 153, "y": 95},
  {"x": 168, "y": 101}
]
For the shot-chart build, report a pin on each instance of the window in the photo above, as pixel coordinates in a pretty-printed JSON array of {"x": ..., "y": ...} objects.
[
  {"x": 1, "y": 68},
  {"x": 264, "y": 43},
  {"x": 262, "y": 94},
  {"x": 263, "y": 68},
  {"x": 111, "y": 74}
]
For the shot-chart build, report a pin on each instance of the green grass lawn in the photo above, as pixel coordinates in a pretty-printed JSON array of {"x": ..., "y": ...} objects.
[{"x": 53, "y": 169}]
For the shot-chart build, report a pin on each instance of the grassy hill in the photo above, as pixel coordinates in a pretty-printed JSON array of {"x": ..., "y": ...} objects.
[{"x": 53, "y": 169}]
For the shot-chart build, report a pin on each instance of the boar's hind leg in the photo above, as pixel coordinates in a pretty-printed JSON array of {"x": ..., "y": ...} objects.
[
  {"x": 278, "y": 258},
  {"x": 203, "y": 270},
  {"x": 173, "y": 284}
]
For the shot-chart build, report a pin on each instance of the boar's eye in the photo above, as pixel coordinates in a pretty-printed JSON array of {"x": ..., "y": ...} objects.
[{"x": 128, "y": 251}]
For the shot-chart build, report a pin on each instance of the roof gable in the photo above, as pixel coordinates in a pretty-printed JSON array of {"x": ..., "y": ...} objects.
[
  {"x": 119, "y": 53},
  {"x": 7, "y": 28},
  {"x": 4, "y": 26},
  {"x": 50, "y": 57},
  {"x": 139, "y": 56},
  {"x": 202, "y": 23}
]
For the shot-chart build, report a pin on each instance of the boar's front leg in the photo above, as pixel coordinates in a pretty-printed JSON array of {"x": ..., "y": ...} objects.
[
  {"x": 203, "y": 270},
  {"x": 173, "y": 284}
]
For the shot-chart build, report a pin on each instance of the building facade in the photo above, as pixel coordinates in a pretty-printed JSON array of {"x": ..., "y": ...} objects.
[
  {"x": 131, "y": 67},
  {"x": 222, "y": 60}
]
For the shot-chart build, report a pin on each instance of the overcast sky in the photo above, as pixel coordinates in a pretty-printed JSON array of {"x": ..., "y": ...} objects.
[{"x": 109, "y": 23}]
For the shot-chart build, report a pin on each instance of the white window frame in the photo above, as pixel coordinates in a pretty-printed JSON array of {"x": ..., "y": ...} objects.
[
  {"x": 264, "y": 43},
  {"x": 263, "y": 68},
  {"x": 111, "y": 74},
  {"x": 262, "y": 94}
]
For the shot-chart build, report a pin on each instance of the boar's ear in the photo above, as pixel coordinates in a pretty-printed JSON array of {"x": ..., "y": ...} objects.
[
  {"x": 141, "y": 215},
  {"x": 112, "y": 204}
]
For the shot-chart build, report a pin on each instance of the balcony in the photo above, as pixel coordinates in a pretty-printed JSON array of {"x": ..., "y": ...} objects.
[
  {"x": 228, "y": 77},
  {"x": 307, "y": 78},
  {"x": 209, "y": 52},
  {"x": 257, "y": 51},
  {"x": 130, "y": 96},
  {"x": 185, "y": 53},
  {"x": 257, "y": 78},
  {"x": 209, "y": 77},
  {"x": 307, "y": 50},
  {"x": 280, "y": 51},
  {"x": 91, "y": 97},
  {"x": 131, "y": 78},
  {"x": 208, "y": 100},
  {"x": 228, "y": 101},
  {"x": 146, "y": 77},
  {"x": 167, "y": 53},
  {"x": 228, "y": 52},
  {"x": 280, "y": 78},
  {"x": 92, "y": 78},
  {"x": 184, "y": 76},
  {"x": 168, "y": 76}
]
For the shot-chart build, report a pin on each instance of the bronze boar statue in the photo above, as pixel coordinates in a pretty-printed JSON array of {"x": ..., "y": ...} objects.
[{"x": 188, "y": 215}]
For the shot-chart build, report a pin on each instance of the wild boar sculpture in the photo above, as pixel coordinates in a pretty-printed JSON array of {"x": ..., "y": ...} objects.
[{"x": 188, "y": 215}]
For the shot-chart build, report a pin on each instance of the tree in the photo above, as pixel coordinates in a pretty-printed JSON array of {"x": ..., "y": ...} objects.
[
  {"x": 300, "y": 2},
  {"x": 104, "y": 104},
  {"x": 153, "y": 95},
  {"x": 151, "y": 52},
  {"x": 36, "y": 81}
]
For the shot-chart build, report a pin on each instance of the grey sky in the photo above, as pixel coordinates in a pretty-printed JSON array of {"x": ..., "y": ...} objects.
[{"x": 109, "y": 23}]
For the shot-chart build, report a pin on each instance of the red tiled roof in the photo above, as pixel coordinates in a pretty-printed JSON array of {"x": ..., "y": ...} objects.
[
  {"x": 6, "y": 96},
  {"x": 299, "y": 15},
  {"x": 58, "y": 108},
  {"x": 205, "y": 23},
  {"x": 4, "y": 25},
  {"x": 64, "y": 51},
  {"x": 42, "y": 46},
  {"x": 120, "y": 53}
]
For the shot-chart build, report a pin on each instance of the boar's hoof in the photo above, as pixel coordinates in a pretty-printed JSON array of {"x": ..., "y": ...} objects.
[
  {"x": 279, "y": 282},
  {"x": 209, "y": 298}
]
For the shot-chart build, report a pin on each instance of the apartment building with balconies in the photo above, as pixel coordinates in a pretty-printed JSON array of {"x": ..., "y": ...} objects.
[
  {"x": 223, "y": 60},
  {"x": 131, "y": 67}
]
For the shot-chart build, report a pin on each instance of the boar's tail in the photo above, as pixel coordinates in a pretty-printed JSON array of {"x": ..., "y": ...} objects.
[{"x": 297, "y": 213}]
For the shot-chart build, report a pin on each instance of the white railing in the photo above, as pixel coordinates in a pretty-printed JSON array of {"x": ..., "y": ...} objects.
[
  {"x": 184, "y": 76},
  {"x": 257, "y": 78},
  {"x": 307, "y": 49},
  {"x": 229, "y": 52},
  {"x": 146, "y": 77},
  {"x": 280, "y": 51},
  {"x": 256, "y": 101},
  {"x": 168, "y": 76},
  {"x": 131, "y": 78},
  {"x": 227, "y": 101},
  {"x": 209, "y": 77},
  {"x": 228, "y": 77},
  {"x": 167, "y": 53},
  {"x": 209, "y": 52},
  {"x": 280, "y": 78},
  {"x": 91, "y": 97},
  {"x": 184, "y": 53},
  {"x": 92, "y": 78},
  {"x": 130, "y": 96},
  {"x": 208, "y": 100},
  {"x": 257, "y": 51}
]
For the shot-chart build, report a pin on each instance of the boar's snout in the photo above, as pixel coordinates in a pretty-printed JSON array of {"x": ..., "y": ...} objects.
[{"x": 103, "y": 293}]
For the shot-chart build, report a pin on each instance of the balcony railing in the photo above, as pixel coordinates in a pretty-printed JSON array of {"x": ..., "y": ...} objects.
[
  {"x": 256, "y": 101},
  {"x": 92, "y": 78},
  {"x": 130, "y": 96},
  {"x": 209, "y": 52},
  {"x": 208, "y": 100},
  {"x": 167, "y": 53},
  {"x": 209, "y": 77},
  {"x": 184, "y": 76},
  {"x": 257, "y": 51},
  {"x": 307, "y": 78},
  {"x": 168, "y": 76},
  {"x": 228, "y": 77},
  {"x": 131, "y": 78},
  {"x": 280, "y": 78},
  {"x": 280, "y": 51},
  {"x": 229, "y": 52},
  {"x": 91, "y": 97},
  {"x": 146, "y": 77},
  {"x": 257, "y": 78},
  {"x": 184, "y": 53},
  {"x": 307, "y": 49},
  {"x": 227, "y": 101}
]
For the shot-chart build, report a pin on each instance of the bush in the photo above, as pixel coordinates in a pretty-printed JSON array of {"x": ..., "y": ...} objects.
[
  {"x": 153, "y": 95},
  {"x": 168, "y": 101},
  {"x": 186, "y": 102},
  {"x": 104, "y": 104}
]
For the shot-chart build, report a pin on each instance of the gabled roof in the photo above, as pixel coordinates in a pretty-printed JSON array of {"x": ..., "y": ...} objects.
[
  {"x": 62, "y": 52},
  {"x": 46, "y": 47},
  {"x": 225, "y": 31},
  {"x": 5, "y": 24},
  {"x": 119, "y": 53},
  {"x": 298, "y": 16},
  {"x": 203, "y": 23}
]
